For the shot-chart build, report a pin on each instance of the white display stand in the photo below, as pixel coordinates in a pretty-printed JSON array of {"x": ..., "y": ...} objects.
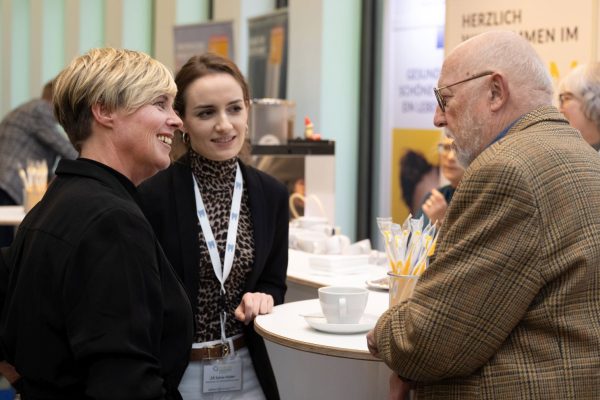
[
  {"x": 319, "y": 171},
  {"x": 319, "y": 176},
  {"x": 11, "y": 215}
]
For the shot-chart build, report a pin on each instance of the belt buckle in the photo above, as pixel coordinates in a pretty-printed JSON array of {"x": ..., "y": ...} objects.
[
  {"x": 226, "y": 350},
  {"x": 222, "y": 349}
]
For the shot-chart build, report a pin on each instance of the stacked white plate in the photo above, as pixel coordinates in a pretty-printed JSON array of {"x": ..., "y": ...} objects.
[{"x": 339, "y": 263}]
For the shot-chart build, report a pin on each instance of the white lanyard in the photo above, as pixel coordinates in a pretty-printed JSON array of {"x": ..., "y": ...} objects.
[{"x": 221, "y": 271}]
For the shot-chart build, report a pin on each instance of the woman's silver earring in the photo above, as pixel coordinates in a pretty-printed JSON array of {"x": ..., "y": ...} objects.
[{"x": 185, "y": 137}]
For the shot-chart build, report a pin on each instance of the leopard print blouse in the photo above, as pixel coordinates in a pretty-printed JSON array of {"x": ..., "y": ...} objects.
[{"x": 215, "y": 180}]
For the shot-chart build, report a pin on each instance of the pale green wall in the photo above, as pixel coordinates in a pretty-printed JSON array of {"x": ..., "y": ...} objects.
[
  {"x": 324, "y": 80},
  {"x": 19, "y": 52},
  {"x": 52, "y": 41},
  {"x": 2, "y": 62},
  {"x": 191, "y": 11},
  {"x": 91, "y": 16},
  {"x": 137, "y": 25},
  {"x": 33, "y": 52},
  {"x": 340, "y": 101},
  {"x": 71, "y": 27}
]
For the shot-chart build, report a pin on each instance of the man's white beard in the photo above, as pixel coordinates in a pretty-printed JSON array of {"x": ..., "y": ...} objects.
[{"x": 467, "y": 143}]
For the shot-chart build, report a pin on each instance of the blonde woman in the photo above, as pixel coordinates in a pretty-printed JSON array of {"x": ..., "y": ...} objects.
[{"x": 94, "y": 310}]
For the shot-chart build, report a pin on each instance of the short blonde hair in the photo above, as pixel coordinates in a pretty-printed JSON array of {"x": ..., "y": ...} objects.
[{"x": 118, "y": 79}]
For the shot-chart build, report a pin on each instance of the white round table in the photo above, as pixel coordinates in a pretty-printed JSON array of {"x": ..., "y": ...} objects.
[
  {"x": 11, "y": 215},
  {"x": 310, "y": 364}
]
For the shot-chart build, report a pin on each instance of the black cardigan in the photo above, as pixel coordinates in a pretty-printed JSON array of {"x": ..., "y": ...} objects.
[
  {"x": 169, "y": 204},
  {"x": 93, "y": 310}
]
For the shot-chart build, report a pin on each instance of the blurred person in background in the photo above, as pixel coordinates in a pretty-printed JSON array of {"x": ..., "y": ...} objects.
[
  {"x": 30, "y": 132},
  {"x": 579, "y": 101},
  {"x": 94, "y": 310},
  {"x": 224, "y": 227},
  {"x": 417, "y": 178},
  {"x": 436, "y": 202}
]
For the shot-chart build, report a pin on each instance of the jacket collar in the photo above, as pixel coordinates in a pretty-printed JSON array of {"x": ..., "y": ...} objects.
[
  {"x": 536, "y": 116},
  {"x": 100, "y": 172}
]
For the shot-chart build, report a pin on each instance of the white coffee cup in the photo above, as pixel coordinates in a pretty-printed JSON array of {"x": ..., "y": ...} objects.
[
  {"x": 337, "y": 244},
  {"x": 312, "y": 246},
  {"x": 343, "y": 304},
  {"x": 307, "y": 222},
  {"x": 310, "y": 242}
]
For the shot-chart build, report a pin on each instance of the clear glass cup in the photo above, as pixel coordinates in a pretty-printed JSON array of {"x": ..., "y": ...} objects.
[
  {"x": 32, "y": 196},
  {"x": 401, "y": 287}
]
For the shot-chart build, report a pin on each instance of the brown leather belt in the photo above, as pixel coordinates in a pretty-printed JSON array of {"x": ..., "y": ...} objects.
[{"x": 217, "y": 351}]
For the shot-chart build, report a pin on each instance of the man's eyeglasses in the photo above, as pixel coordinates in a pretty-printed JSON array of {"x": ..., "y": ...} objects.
[{"x": 440, "y": 97}]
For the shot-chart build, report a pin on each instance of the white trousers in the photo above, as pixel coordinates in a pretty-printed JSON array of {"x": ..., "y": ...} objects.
[{"x": 191, "y": 383}]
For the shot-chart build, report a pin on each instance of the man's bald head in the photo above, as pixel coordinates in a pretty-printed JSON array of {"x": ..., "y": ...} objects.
[
  {"x": 486, "y": 83},
  {"x": 511, "y": 55}
]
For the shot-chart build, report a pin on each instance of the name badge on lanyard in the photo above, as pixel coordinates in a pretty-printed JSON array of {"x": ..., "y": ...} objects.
[
  {"x": 222, "y": 376},
  {"x": 221, "y": 271}
]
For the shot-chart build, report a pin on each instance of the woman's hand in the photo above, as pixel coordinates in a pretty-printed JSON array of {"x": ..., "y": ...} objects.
[
  {"x": 435, "y": 207},
  {"x": 252, "y": 305},
  {"x": 9, "y": 372}
]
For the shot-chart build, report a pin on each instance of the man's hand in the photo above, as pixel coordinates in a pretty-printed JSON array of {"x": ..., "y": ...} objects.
[
  {"x": 399, "y": 388},
  {"x": 253, "y": 304},
  {"x": 372, "y": 343},
  {"x": 435, "y": 207}
]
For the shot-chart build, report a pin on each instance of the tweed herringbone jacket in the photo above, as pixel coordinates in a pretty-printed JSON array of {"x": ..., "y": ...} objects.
[{"x": 510, "y": 307}]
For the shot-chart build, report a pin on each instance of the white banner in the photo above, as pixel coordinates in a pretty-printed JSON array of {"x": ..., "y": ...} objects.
[
  {"x": 413, "y": 53},
  {"x": 563, "y": 32}
]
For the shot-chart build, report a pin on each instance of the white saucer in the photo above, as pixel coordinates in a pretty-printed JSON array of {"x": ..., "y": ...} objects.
[
  {"x": 379, "y": 284},
  {"x": 318, "y": 322}
]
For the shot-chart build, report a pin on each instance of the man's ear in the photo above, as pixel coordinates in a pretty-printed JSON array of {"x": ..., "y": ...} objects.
[
  {"x": 498, "y": 92},
  {"x": 102, "y": 116}
]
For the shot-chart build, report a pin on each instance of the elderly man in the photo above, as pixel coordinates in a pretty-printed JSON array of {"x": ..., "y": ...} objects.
[{"x": 510, "y": 307}]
